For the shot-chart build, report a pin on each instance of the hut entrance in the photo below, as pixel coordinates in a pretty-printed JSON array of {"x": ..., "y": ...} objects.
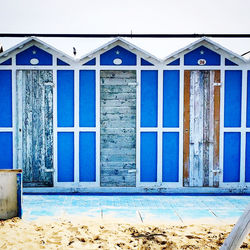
[
  {"x": 34, "y": 115},
  {"x": 118, "y": 128},
  {"x": 201, "y": 128}
]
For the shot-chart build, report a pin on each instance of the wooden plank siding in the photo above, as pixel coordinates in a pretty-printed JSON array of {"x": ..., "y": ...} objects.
[
  {"x": 118, "y": 128},
  {"x": 35, "y": 126}
]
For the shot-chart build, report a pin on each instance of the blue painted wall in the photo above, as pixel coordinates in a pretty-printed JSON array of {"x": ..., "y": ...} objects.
[
  {"x": 247, "y": 173},
  {"x": 231, "y": 171},
  {"x": 171, "y": 98},
  {"x": 65, "y": 98},
  {"x": 6, "y": 150},
  {"x": 145, "y": 62},
  {"x": 5, "y": 98},
  {"x": 248, "y": 98},
  {"x": 148, "y": 172},
  {"x": 24, "y": 57},
  {"x": 87, "y": 98},
  {"x": 87, "y": 157},
  {"x": 65, "y": 156},
  {"x": 170, "y": 160},
  {"x": 232, "y": 101},
  {"x": 60, "y": 62},
  {"x": 149, "y": 98},
  {"x": 127, "y": 57},
  {"x": 7, "y": 62},
  {"x": 211, "y": 57},
  {"x": 91, "y": 62},
  {"x": 175, "y": 62}
]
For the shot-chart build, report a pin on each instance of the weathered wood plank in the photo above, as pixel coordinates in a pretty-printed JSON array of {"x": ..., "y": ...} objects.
[
  {"x": 207, "y": 129},
  {"x": 117, "y": 96},
  {"x": 186, "y": 127},
  {"x": 117, "y": 89},
  {"x": 211, "y": 130},
  {"x": 196, "y": 129},
  {"x": 118, "y": 103},
  {"x": 239, "y": 232},
  {"x": 216, "y": 128},
  {"x": 118, "y": 123}
]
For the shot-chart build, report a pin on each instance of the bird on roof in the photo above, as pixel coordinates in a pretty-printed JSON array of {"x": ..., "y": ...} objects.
[{"x": 74, "y": 51}]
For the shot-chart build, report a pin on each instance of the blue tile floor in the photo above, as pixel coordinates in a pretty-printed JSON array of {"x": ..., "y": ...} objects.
[{"x": 138, "y": 208}]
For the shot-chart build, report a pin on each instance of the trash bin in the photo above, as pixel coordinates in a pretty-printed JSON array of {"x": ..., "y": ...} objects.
[{"x": 10, "y": 193}]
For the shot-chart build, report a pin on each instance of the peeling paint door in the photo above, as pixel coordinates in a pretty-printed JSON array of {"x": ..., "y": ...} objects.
[
  {"x": 201, "y": 128},
  {"x": 34, "y": 113},
  {"x": 118, "y": 128}
]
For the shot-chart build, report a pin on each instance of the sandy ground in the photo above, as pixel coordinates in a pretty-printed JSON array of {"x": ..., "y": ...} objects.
[{"x": 79, "y": 233}]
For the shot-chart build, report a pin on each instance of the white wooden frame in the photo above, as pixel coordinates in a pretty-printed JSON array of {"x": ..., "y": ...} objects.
[{"x": 159, "y": 65}]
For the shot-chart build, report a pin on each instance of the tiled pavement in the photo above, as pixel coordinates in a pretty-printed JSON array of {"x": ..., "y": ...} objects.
[{"x": 138, "y": 208}]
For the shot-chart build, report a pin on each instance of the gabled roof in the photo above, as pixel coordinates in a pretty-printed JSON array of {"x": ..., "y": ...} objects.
[
  {"x": 206, "y": 42},
  {"x": 120, "y": 41},
  {"x": 34, "y": 40}
]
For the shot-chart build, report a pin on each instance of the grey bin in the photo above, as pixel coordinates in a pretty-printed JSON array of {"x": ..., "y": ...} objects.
[{"x": 10, "y": 193}]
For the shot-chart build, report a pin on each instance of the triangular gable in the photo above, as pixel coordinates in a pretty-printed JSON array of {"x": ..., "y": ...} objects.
[
  {"x": 124, "y": 45},
  {"x": 33, "y": 41},
  {"x": 209, "y": 44}
]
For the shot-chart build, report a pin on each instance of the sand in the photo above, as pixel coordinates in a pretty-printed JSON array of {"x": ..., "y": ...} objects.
[{"x": 83, "y": 233}]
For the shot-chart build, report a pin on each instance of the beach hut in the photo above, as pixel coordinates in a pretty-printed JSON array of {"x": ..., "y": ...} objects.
[{"x": 121, "y": 120}]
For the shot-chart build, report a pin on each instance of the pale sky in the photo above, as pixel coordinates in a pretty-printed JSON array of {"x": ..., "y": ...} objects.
[{"x": 116, "y": 16}]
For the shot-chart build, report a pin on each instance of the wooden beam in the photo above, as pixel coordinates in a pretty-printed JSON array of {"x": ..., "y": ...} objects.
[
  {"x": 186, "y": 127},
  {"x": 216, "y": 166},
  {"x": 239, "y": 232}
]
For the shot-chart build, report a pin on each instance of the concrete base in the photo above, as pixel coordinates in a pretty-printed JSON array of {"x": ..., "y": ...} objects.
[{"x": 182, "y": 190}]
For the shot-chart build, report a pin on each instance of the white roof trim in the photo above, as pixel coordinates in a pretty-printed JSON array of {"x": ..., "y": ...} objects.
[
  {"x": 189, "y": 47},
  {"x": 110, "y": 43},
  {"x": 30, "y": 39}
]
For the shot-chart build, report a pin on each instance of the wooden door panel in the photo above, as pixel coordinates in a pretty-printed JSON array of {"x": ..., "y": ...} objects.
[
  {"x": 35, "y": 126},
  {"x": 118, "y": 124}
]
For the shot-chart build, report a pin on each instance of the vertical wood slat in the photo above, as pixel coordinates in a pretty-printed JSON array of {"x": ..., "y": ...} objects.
[
  {"x": 196, "y": 166},
  {"x": 211, "y": 129},
  {"x": 186, "y": 127},
  {"x": 207, "y": 128},
  {"x": 216, "y": 127}
]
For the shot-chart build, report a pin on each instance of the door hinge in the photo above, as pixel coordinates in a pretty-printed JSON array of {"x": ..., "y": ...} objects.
[
  {"x": 216, "y": 171},
  {"x": 49, "y": 84},
  {"x": 49, "y": 170},
  {"x": 132, "y": 171},
  {"x": 133, "y": 84},
  {"x": 217, "y": 84}
]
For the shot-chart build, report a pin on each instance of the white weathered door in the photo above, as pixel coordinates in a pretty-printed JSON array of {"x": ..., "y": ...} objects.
[
  {"x": 201, "y": 128},
  {"x": 34, "y": 113}
]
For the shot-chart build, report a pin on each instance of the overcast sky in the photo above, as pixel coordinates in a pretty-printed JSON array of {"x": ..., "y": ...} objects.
[{"x": 116, "y": 16}]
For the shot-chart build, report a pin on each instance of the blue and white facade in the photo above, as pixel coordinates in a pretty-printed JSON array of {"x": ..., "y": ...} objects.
[{"x": 159, "y": 123}]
